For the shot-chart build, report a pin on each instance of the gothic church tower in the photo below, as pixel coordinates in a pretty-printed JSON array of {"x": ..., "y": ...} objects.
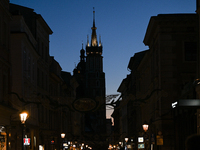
[
  {"x": 91, "y": 78},
  {"x": 95, "y": 77}
]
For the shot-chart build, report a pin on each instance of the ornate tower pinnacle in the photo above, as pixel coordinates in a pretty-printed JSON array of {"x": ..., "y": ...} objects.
[
  {"x": 94, "y": 36},
  {"x": 82, "y": 56}
]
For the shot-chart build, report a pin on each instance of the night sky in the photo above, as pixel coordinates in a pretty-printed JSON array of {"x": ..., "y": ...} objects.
[{"x": 120, "y": 23}]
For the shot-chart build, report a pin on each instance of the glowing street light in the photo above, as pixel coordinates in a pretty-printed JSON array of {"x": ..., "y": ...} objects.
[
  {"x": 145, "y": 126},
  {"x": 126, "y": 139},
  {"x": 62, "y": 135},
  {"x": 23, "y": 116}
]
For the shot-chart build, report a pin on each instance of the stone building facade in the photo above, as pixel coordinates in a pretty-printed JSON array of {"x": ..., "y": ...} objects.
[
  {"x": 158, "y": 77},
  {"x": 31, "y": 80},
  {"x": 5, "y": 73}
]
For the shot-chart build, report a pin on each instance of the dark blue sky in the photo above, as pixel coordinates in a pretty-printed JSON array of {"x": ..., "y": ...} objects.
[{"x": 121, "y": 23}]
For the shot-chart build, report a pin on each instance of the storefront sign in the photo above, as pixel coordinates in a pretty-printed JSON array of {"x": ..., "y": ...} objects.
[
  {"x": 186, "y": 103},
  {"x": 140, "y": 139},
  {"x": 84, "y": 104},
  {"x": 141, "y": 146},
  {"x": 159, "y": 139}
]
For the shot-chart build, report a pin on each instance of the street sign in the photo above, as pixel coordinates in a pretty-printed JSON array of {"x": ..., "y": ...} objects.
[{"x": 27, "y": 141}]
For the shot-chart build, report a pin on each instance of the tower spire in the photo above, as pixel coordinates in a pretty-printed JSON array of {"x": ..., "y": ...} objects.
[
  {"x": 93, "y": 18},
  {"x": 99, "y": 40},
  {"x": 82, "y": 56},
  {"x": 94, "y": 36}
]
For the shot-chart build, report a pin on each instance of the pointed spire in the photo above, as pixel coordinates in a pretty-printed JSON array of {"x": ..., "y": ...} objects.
[
  {"x": 88, "y": 44},
  {"x": 99, "y": 40},
  {"x": 93, "y": 18},
  {"x": 94, "y": 36},
  {"x": 82, "y": 56}
]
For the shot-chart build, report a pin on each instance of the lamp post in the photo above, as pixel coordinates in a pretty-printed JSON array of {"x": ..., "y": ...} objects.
[
  {"x": 82, "y": 146},
  {"x": 120, "y": 145},
  {"x": 145, "y": 127},
  {"x": 126, "y": 140},
  {"x": 23, "y": 116},
  {"x": 62, "y": 136}
]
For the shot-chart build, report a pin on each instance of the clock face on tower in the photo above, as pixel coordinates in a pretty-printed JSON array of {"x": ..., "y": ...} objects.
[{"x": 84, "y": 104}]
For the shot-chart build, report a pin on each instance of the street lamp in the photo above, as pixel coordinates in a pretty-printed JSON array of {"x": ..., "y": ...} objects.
[
  {"x": 145, "y": 126},
  {"x": 146, "y": 136},
  {"x": 23, "y": 116},
  {"x": 62, "y": 135},
  {"x": 120, "y": 144},
  {"x": 126, "y": 140}
]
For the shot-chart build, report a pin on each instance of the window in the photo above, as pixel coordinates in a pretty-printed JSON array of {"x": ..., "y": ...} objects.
[
  {"x": 0, "y": 31},
  {"x": 190, "y": 51},
  {"x": 46, "y": 82},
  {"x": 5, "y": 85},
  {"x": 24, "y": 59},
  {"x": 42, "y": 80},
  {"x": 33, "y": 71},
  {"x": 46, "y": 54},
  {"x": 38, "y": 45},
  {"x": 97, "y": 74},
  {"x": 42, "y": 51},
  {"x": 38, "y": 77},
  {"x": 29, "y": 66},
  {"x": 5, "y": 35},
  {"x": 97, "y": 83},
  {"x": 91, "y": 63},
  {"x": 98, "y": 63}
]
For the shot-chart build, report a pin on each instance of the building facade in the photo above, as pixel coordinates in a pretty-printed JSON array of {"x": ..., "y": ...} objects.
[
  {"x": 160, "y": 76},
  {"x": 5, "y": 72},
  {"x": 37, "y": 84}
]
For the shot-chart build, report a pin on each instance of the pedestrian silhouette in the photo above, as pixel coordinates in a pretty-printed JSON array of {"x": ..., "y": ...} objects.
[{"x": 193, "y": 142}]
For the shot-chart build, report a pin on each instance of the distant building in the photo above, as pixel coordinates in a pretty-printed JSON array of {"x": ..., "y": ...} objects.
[{"x": 91, "y": 79}]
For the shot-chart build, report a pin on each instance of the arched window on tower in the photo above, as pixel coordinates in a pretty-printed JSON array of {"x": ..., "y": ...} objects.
[
  {"x": 97, "y": 63},
  {"x": 91, "y": 63},
  {"x": 97, "y": 74},
  {"x": 97, "y": 83}
]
